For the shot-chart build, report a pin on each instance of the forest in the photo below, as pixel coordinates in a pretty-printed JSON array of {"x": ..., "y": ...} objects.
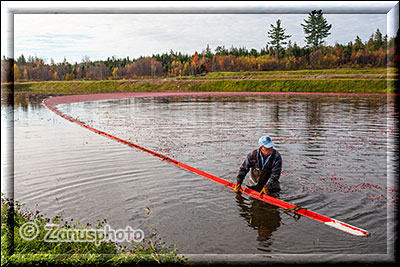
[{"x": 278, "y": 54}]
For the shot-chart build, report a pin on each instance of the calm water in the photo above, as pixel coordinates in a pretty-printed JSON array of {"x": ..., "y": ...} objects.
[{"x": 338, "y": 160}]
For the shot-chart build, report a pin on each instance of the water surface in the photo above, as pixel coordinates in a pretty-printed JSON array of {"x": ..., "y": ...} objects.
[{"x": 338, "y": 158}]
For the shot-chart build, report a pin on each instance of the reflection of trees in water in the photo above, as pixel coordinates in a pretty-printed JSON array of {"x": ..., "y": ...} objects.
[
  {"x": 348, "y": 112},
  {"x": 23, "y": 100},
  {"x": 7, "y": 95},
  {"x": 319, "y": 106},
  {"x": 259, "y": 215}
]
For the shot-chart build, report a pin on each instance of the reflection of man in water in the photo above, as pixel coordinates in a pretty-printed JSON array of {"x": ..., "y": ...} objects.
[
  {"x": 265, "y": 164},
  {"x": 261, "y": 216}
]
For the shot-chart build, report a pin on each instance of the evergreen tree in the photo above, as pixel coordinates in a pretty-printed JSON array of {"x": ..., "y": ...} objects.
[
  {"x": 316, "y": 29},
  {"x": 358, "y": 45},
  {"x": 277, "y": 36},
  {"x": 21, "y": 60},
  {"x": 253, "y": 52},
  {"x": 378, "y": 40},
  {"x": 207, "y": 52},
  {"x": 221, "y": 50}
]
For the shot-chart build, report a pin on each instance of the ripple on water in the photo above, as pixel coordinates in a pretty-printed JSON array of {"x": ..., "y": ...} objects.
[{"x": 64, "y": 167}]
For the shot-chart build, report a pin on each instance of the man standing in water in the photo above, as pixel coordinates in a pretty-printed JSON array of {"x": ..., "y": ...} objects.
[{"x": 265, "y": 164}]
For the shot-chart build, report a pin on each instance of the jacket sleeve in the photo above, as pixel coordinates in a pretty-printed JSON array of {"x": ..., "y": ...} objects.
[
  {"x": 275, "y": 172},
  {"x": 244, "y": 168}
]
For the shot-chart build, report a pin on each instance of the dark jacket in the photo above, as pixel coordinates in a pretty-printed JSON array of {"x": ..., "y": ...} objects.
[{"x": 269, "y": 176}]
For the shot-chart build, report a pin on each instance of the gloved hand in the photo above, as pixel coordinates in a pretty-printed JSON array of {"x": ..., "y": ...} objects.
[
  {"x": 238, "y": 188},
  {"x": 264, "y": 191}
]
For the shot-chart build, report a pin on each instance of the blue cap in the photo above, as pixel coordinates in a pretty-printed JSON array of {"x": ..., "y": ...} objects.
[{"x": 266, "y": 141}]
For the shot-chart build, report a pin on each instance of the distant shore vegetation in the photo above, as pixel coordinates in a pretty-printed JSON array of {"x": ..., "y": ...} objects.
[{"x": 377, "y": 51}]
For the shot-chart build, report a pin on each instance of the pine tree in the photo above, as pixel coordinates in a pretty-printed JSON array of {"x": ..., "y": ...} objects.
[
  {"x": 21, "y": 60},
  {"x": 277, "y": 36},
  {"x": 358, "y": 45},
  {"x": 378, "y": 40},
  {"x": 207, "y": 52},
  {"x": 316, "y": 29}
]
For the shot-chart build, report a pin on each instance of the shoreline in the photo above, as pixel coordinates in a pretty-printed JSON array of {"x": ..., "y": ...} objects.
[
  {"x": 371, "y": 80},
  {"x": 228, "y": 85}
]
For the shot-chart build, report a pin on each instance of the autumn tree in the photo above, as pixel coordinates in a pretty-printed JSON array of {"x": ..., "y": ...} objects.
[
  {"x": 26, "y": 77},
  {"x": 316, "y": 29},
  {"x": 17, "y": 74},
  {"x": 277, "y": 36},
  {"x": 69, "y": 77},
  {"x": 115, "y": 73},
  {"x": 153, "y": 67}
]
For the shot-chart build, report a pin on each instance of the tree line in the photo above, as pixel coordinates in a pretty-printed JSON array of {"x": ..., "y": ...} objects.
[{"x": 278, "y": 54}]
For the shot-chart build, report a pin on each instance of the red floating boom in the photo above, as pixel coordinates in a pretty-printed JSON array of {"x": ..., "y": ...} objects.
[{"x": 271, "y": 200}]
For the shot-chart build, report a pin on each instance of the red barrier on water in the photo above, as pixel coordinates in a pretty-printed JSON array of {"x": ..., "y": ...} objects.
[{"x": 52, "y": 102}]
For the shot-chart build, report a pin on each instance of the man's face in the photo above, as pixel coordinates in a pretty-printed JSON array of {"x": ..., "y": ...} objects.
[{"x": 266, "y": 151}]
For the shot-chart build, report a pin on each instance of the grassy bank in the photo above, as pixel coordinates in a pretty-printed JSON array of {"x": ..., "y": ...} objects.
[
  {"x": 270, "y": 85},
  {"x": 331, "y": 86},
  {"x": 333, "y": 72},
  {"x": 16, "y": 250},
  {"x": 337, "y": 80}
]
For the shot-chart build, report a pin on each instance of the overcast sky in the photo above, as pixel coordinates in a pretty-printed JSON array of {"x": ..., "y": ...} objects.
[{"x": 104, "y": 35}]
